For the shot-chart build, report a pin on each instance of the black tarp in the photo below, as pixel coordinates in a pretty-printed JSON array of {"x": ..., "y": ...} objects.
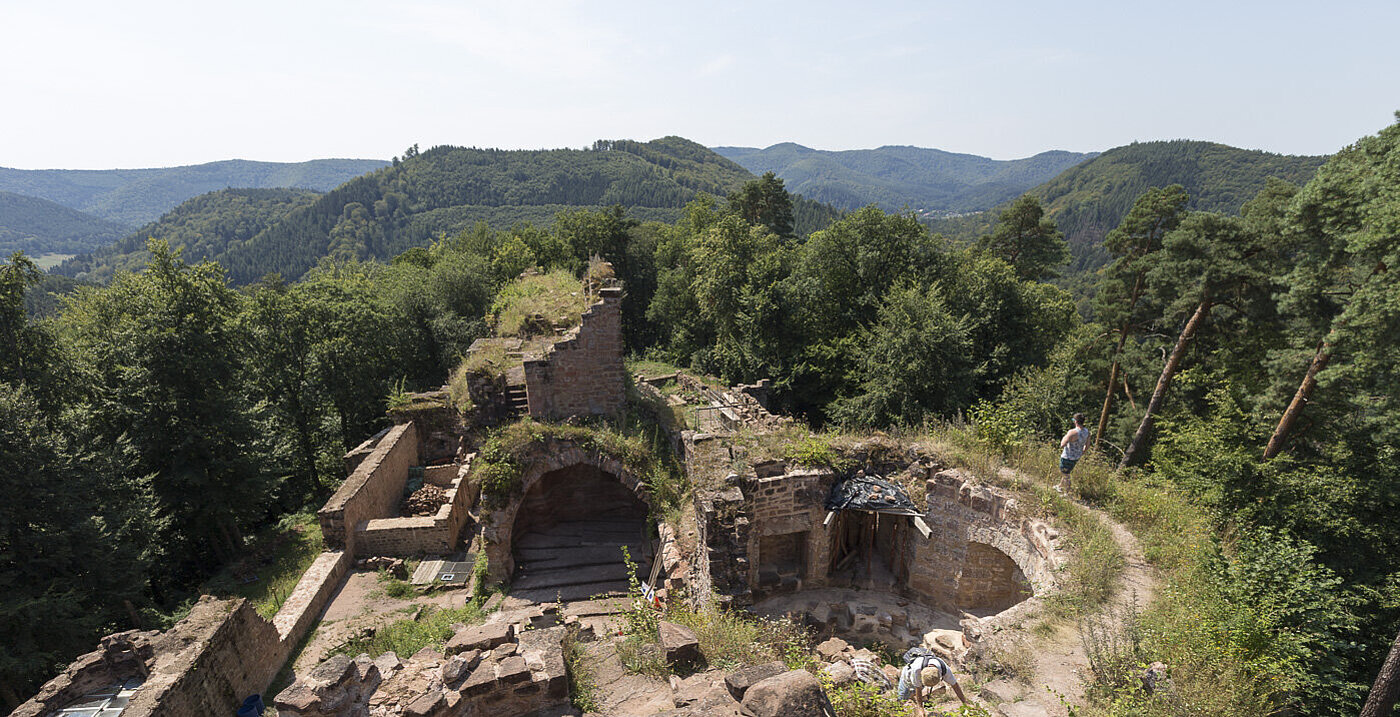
[{"x": 870, "y": 493}]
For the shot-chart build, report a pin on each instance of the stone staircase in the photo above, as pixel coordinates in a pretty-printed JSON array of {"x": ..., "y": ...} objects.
[{"x": 518, "y": 401}]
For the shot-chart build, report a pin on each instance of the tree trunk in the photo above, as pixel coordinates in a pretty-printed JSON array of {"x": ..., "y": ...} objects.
[
  {"x": 1108, "y": 395},
  {"x": 1168, "y": 372},
  {"x": 1386, "y": 691},
  {"x": 1113, "y": 370},
  {"x": 1300, "y": 399}
]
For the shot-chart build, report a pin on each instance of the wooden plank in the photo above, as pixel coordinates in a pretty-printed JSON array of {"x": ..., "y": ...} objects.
[
  {"x": 829, "y": 515},
  {"x": 922, "y": 526},
  {"x": 426, "y": 572}
]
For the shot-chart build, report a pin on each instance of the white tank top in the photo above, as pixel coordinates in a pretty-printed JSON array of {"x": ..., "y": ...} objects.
[{"x": 1075, "y": 448}]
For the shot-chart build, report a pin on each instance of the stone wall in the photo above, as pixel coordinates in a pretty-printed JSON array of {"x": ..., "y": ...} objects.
[
  {"x": 221, "y": 653},
  {"x": 237, "y": 658},
  {"x": 582, "y": 375},
  {"x": 422, "y": 535},
  {"x": 373, "y": 490},
  {"x": 763, "y": 534},
  {"x": 302, "y": 607},
  {"x": 208, "y": 663}
]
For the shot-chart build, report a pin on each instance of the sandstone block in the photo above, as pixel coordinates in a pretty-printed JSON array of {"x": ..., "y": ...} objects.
[
  {"x": 680, "y": 644},
  {"x": 829, "y": 649},
  {"x": 795, "y": 693},
  {"x": 740, "y": 681},
  {"x": 512, "y": 670},
  {"x": 481, "y": 637},
  {"x": 425, "y": 705},
  {"x": 841, "y": 673}
]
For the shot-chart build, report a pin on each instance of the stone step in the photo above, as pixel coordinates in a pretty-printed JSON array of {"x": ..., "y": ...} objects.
[
  {"x": 556, "y": 539},
  {"x": 583, "y": 591},
  {"x": 543, "y": 558},
  {"x": 577, "y": 575}
]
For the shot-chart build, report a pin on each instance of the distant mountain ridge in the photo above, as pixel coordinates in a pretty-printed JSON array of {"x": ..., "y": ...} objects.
[
  {"x": 416, "y": 199},
  {"x": 132, "y": 197},
  {"x": 38, "y": 226},
  {"x": 929, "y": 181},
  {"x": 1089, "y": 200}
]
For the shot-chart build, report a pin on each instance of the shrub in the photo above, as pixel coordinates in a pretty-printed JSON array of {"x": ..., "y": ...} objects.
[{"x": 814, "y": 450}]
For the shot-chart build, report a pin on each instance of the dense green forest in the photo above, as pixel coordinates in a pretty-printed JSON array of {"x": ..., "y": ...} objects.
[
  {"x": 202, "y": 228},
  {"x": 895, "y": 178},
  {"x": 38, "y": 226},
  {"x": 132, "y": 197},
  {"x": 1246, "y": 361},
  {"x": 1089, "y": 200}
]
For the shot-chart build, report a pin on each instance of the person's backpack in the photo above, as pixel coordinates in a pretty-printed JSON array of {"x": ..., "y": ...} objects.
[
  {"x": 915, "y": 653},
  {"x": 924, "y": 657}
]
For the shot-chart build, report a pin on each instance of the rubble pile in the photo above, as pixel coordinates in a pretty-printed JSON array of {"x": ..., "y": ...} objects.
[
  {"x": 486, "y": 669},
  {"x": 424, "y": 501}
]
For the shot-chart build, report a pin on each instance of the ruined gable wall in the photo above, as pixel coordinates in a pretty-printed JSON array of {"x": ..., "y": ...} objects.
[
  {"x": 582, "y": 375},
  {"x": 373, "y": 490}
]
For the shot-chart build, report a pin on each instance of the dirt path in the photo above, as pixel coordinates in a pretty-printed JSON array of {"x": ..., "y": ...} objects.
[{"x": 1061, "y": 663}]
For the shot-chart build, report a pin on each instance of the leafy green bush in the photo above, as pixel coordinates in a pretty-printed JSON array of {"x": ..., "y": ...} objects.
[
  {"x": 814, "y": 450},
  {"x": 999, "y": 426},
  {"x": 859, "y": 699}
]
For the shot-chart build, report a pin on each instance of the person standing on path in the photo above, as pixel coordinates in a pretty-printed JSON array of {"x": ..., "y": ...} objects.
[{"x": 1071, "y": 450}]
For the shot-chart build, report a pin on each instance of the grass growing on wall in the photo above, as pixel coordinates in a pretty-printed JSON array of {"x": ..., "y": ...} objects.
[
  {"x": 431, "y": 627},
  {"x": 272, "y": 565},
  {"x": 538, "y": 305},
  {"x": 632, "y": 440}
]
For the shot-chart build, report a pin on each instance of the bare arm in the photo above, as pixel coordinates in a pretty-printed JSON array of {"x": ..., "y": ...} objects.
[
  {"x": 1068, "y": 437},
  {"x": 957, "y": 689}
]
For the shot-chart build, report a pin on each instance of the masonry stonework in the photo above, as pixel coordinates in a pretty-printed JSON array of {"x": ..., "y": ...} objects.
[
  {"x": 583, "y": 374},
  {"x": 373, "y": 490}
]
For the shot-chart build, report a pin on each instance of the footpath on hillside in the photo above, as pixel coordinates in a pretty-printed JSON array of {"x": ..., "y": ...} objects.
[{"x": 1061, "y": 663}]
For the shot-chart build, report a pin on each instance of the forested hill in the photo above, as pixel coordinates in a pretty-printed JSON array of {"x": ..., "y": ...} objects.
[
  {"x": 1089, "y": 200},
  {"x": 203, "y": 227},
  {"x": 38, "y": 226},
  {"x": 446, "y": 189},
  {"x": 926, "y": 180},
  {"x": 132, "y": 197}
]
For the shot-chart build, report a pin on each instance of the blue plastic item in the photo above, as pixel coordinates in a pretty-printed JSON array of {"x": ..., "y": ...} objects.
[{"x": 252, "y": 707}]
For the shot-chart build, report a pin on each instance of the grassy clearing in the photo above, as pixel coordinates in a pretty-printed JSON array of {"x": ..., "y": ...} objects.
[
  {"x": 431, "y": 627},
  {"x": 538, "y": 305},
  {"x": 272, "y": 565}
]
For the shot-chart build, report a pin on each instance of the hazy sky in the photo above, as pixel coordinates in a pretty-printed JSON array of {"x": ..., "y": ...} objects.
[{"x": 138, "y": 84}]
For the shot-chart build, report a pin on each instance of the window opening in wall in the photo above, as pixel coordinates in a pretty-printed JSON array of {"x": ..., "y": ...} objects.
[{"x": 108, "y": 702}]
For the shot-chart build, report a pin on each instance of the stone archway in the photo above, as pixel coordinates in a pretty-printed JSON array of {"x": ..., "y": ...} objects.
[
  {"x": 560, "y": 535},
  {"x": 990, "y": 581}
]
